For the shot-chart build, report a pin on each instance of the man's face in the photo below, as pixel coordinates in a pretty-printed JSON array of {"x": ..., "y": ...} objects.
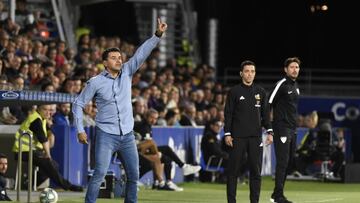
[
  {"x": 65, "y": 108},
  {"x": 216, "y": 127},
  {"x": 45, "y": 111},
  {"x": 152, "y": 118},
  {"x": 292, "y": 71},
  {"x": 248, "y": 74},
  {"x": 3, "y": 165},
  {"x": 114, "y": 62}
]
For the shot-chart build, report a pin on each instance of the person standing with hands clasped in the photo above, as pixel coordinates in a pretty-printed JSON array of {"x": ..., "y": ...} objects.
[
  {"x": 245, "y": 113},
  {"x": 114, "y": 120},
  {"x": 283, "y": 104}
]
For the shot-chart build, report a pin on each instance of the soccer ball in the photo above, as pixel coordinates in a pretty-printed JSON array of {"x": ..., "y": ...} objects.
[{"x": 48, "y": 195}]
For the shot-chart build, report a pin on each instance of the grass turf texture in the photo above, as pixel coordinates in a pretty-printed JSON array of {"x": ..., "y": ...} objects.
[{"x": 296, "y": 191}]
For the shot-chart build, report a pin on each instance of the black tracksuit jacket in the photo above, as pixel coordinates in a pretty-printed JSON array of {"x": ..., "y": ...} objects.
[
  {"x": 284, "y": 102},
  {"x": 246, "y": 111}
]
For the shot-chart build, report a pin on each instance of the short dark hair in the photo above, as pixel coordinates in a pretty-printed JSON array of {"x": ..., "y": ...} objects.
[
  {"x": 290, "y": 60},
  {"x": 150, "y": 112},
  {"x": 105, "y": 54},
  {"x": 214, "y": 121},
  {"x": 246, "y": 63},
  {"x": 170, "y": 114},
  {"x": 3, "y": 156}
]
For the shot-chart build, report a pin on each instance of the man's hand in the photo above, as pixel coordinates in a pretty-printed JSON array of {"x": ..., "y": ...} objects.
[
  {"x": 161, "y": 28},
  {"x": 82, "y": 137},
  {"x": 229, "y": 141},
  {"x": 269, "y": 139}
]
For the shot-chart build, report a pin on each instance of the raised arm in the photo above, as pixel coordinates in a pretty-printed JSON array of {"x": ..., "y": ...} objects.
[{"x": 145, "y": 49}]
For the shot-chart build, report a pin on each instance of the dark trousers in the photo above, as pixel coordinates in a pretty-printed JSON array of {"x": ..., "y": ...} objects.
[
  {"x": 48, "y": 168},
  {"x": 168, "y": 155},
  {"x": 144, "y": 166},
  {"x": 338, "y": 158},
  {"x": 167, "y": 151},
  {"x": 250, "y": 146},
  {"x": 285, "y": 146}
]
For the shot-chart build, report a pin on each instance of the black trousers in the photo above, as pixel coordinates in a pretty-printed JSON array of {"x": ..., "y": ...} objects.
[
  {"x": 338, "y": 158},
  {"x": 168, "y": 152},
  {"x": 144, "y": 166},
  {"x": 253, "y": 148},
  {"x": 285, "y": 146},
  {"x": 48, "y": 168},
  {"x": 168, "y": 155}
]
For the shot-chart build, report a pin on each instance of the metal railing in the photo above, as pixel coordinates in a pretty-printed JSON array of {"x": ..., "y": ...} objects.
[{"x": 30, "y": 167}]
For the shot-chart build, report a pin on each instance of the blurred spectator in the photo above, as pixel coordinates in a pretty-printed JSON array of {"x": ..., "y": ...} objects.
[
  {"x": 48, "y": 87},
  {"x": 140, "y": 108},
  {"x": 162, "y": 113},
  {"x": 11, "y": 27},
  {"x": 13, "y": 69},
  {"x": 211, "y": 146},
  {"x": 42, "y": 30},
  {"x": 305, "y": 153},
  {"x": 6, "y": 117},
  {"x": 338, "y": 156},
  {"x": 3, "y": 12},
  {"x": 34, "y": 71},
  {"x": 70, "y": 57},
  {"x": 68, "y": 86},
  {"x": 84, "y": 41},
  {"x": 88, "y": 118},
  {"x": 154, "y": 99},
  {"x": 38, "y": 51},
  {"x": 144, "y": 128},
  {"x": 173, "y": 98},
  {"x": 1, "y": 65},
  {"x": 77, "y": 85},
  {"x": 63, "y": 115},
  {"x": 24, "y": 73},
  {"x": 300, "y": 121},
  {"x": 172, "y": 118},
  {"x": 3, "y": 179},
  {"x": 19, "y": 111},
  {"x": 22, "y": 15},
  {"x": 60, "y": 54},
  {"x": 200, "y": 119},
  {"x": 83, "y": 56},
  {"x": 188, "y": 117}
]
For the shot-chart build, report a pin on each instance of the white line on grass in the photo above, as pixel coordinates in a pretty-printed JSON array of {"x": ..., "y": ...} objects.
[{"x": 325, "y": 200}]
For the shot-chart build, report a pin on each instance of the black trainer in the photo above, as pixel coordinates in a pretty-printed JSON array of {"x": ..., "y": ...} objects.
[
  {"x": 165, "y": 187},
  {"x": 282, "y": 200}
]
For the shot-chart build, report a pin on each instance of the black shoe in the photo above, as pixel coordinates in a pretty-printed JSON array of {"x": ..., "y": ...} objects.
[
  {"x": 76, "y": 188},
  {"x": 165, "y": 187},
  {"x": 272, "y": 198},
  {"x": 282, "y": 200}
]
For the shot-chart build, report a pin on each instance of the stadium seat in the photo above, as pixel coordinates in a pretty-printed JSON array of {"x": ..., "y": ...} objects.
[
  {"x": 35, "y": 171},
  {"x": 214, "y": 169}
]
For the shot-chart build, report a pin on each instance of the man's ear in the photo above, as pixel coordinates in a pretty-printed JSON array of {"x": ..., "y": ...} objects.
[{"x": 241, "y": 73}]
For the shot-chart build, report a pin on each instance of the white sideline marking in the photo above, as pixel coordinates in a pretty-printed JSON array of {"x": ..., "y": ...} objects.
[{"x": 326, "y": 200}]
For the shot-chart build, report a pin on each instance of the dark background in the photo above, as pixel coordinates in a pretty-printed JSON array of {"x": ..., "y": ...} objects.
[{"x": 264, "y": 31}]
